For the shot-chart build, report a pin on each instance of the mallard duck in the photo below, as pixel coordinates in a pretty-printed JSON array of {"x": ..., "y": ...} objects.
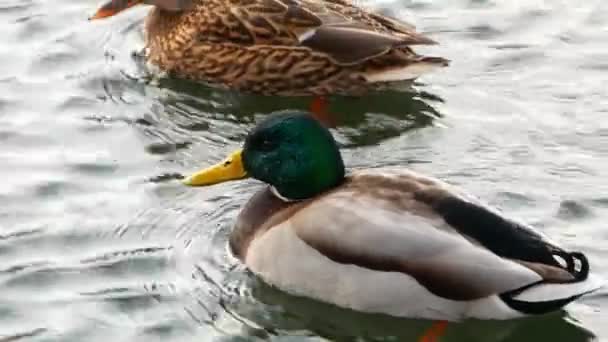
[
  {"x": 280, "y": 47},
  {"x": 385, "y": 240}
]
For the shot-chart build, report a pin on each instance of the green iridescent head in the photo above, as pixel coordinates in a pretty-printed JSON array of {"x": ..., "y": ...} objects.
[{"x": 291, "y": 151}]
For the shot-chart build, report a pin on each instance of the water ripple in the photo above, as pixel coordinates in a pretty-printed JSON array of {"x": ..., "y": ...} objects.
[{"x": 98, "y": 240}]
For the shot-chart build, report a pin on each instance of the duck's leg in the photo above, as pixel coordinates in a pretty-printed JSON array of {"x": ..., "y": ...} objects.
[
  {"x": 318, "y": 108},
  {"x": 434, "y": 332}
]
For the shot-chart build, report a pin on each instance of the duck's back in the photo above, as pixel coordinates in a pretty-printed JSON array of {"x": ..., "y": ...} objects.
[{"x": 387, "y": 242}]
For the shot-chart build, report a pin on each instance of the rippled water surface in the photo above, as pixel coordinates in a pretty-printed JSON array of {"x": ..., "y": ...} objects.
[{"x": 97, "y": 242}]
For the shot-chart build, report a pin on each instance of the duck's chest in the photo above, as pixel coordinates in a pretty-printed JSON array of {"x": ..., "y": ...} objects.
[{"x": 263, "y": 212}]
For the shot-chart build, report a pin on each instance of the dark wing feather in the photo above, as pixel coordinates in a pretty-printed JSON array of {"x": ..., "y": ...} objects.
[
  {"x": 349, "y": 45},
  {"x": 343, "y": 31},
  {"x": 504, "y": 237}
]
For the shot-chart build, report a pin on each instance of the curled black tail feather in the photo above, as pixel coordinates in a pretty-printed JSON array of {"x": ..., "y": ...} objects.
[
  {"x": 583, "y": 272},
  {"x": 579, "y": 273}
]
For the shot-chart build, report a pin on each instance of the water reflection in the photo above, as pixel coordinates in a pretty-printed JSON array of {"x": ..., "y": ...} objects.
[
  {"x": 286, "y": 313},
  {"x": 359, "y": 121},
  {"x": 98, "y": 241}
]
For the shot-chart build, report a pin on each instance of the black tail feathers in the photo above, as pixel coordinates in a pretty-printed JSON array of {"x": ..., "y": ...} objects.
[{"x": 576, "y": 263}]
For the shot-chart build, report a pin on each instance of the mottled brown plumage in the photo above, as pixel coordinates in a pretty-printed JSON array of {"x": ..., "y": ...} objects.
[{"x": 284, "y": 47}]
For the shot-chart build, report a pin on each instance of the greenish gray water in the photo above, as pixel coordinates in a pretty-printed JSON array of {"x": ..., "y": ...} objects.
[{"x": 96, "y": 244}]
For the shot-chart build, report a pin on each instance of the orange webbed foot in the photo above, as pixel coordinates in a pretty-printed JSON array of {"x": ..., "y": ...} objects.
[
  {"x": 319, "y": 109},
  {"x": 434, "y": 332}
]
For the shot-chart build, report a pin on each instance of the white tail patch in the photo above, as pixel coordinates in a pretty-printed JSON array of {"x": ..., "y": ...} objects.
[
  {"x": 549, "y": 292},
  {"x": 409, "y": 72}
]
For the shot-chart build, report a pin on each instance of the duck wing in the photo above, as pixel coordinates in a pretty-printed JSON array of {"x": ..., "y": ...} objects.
[
  {"x": 457, "y": 249},
  {"x": 339, "y": 29}
]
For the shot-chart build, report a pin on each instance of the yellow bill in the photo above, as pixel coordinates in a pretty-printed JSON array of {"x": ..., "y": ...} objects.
[{"x": 229, "y": 169}]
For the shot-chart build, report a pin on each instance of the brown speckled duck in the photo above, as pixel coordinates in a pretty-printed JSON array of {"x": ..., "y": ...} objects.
[{"x": 280, "y": 47}]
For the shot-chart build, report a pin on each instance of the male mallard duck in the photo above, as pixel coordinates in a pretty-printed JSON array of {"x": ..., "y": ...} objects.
[
  {"x": 280, "y": 47},
  {"x": 385, "y": 240}
]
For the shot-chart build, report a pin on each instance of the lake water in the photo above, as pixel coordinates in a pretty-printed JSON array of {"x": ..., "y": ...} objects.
[{"x": 98, "y": 242}]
